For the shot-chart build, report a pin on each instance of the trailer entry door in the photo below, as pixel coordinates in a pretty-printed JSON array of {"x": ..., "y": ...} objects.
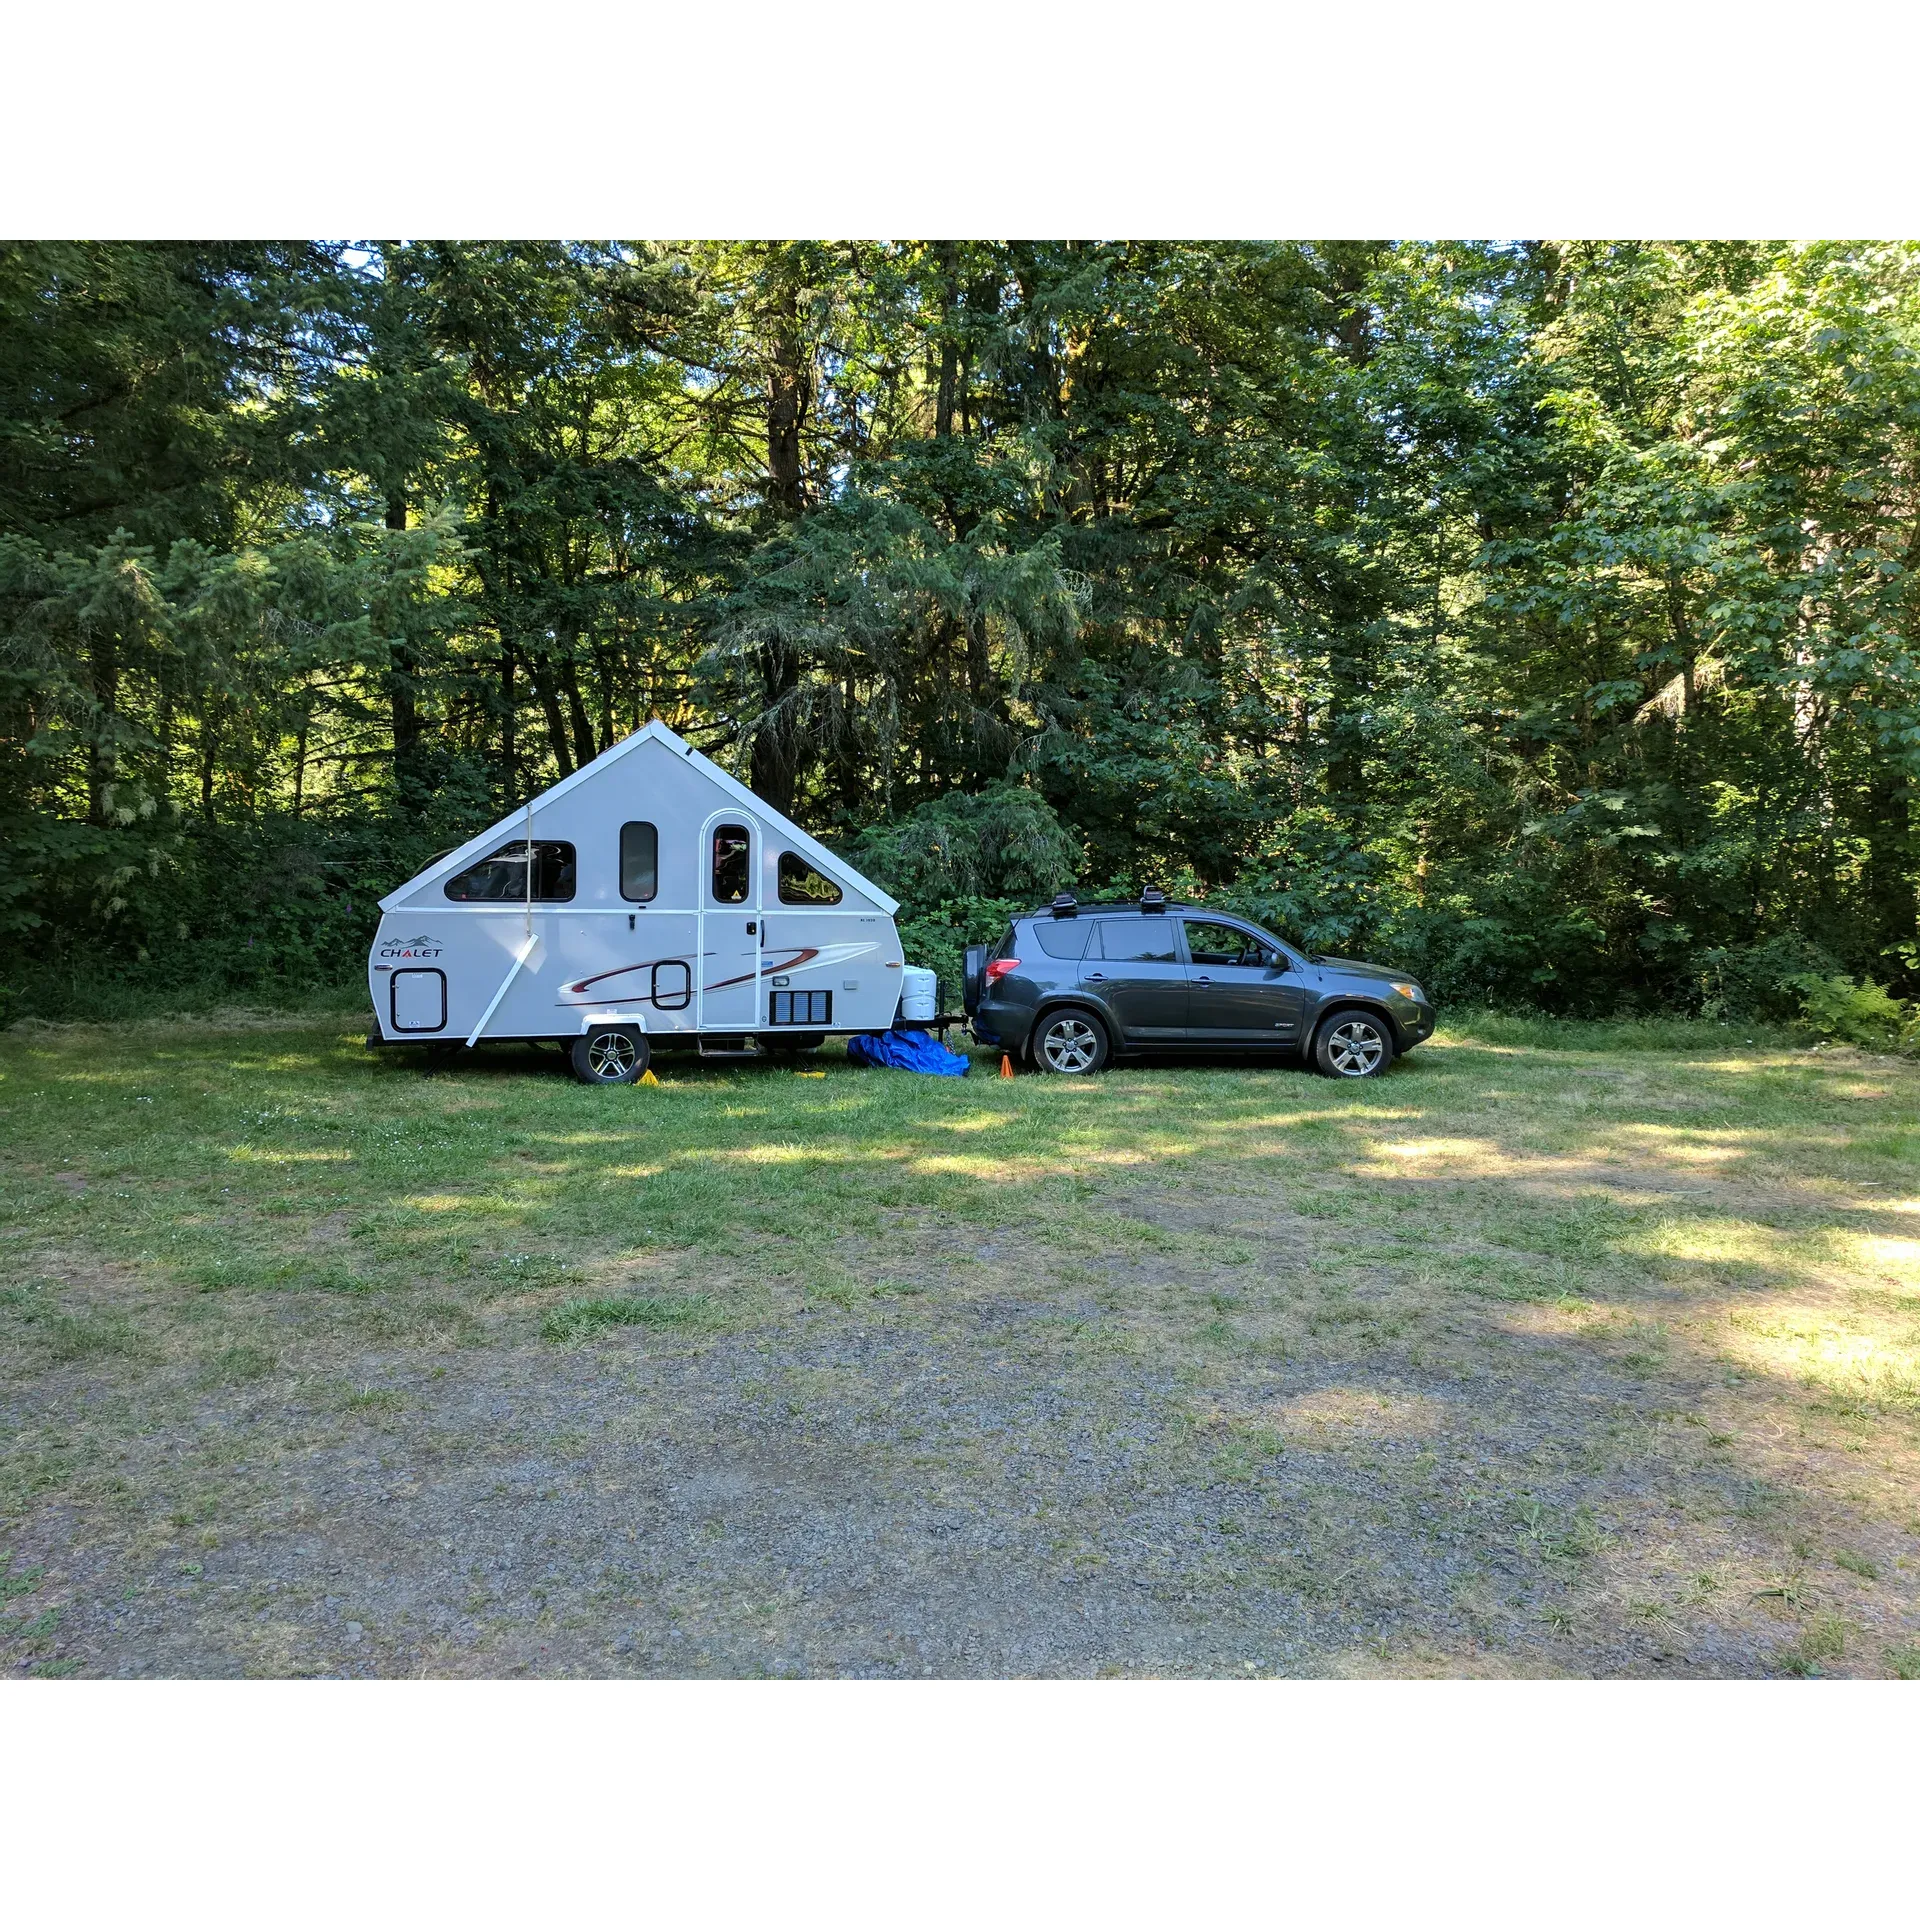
[{"x": 731, "y": 926}]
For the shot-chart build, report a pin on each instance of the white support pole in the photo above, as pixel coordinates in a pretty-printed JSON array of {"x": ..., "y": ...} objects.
[{"x": 500, "y": 993}]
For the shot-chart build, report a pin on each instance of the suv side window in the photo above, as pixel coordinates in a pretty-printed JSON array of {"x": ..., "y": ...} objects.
[
  {"x": 1061, "y": 939},
  {"x": 1212, "y": 943},
  {"x": 1137, "y": 937}
]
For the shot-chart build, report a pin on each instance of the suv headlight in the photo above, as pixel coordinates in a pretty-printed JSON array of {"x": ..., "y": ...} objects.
[{"x": 1411, "y": 988}]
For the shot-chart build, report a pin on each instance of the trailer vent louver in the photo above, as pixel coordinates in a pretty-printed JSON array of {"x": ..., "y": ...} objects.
[{"x": 799, "y": 1009}]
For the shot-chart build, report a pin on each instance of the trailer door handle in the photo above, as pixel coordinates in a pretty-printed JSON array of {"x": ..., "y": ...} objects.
[{"x": 753, "y": 926}]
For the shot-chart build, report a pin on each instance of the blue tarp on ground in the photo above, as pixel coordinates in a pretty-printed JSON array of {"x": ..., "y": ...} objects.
[{"x": 911, "y": 1048}]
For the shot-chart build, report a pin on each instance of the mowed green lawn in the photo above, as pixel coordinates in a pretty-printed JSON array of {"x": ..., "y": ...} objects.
[{"x": 1555, "y": 1351}]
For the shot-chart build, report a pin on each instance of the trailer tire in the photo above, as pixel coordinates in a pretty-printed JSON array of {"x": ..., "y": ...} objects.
[{"x": 609, "y": 1057}]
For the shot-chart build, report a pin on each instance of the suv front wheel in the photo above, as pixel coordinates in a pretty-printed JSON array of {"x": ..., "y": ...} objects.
[
  {"x": 1071, "y": 1042},
  {"x": 1352, "y": 1046}
]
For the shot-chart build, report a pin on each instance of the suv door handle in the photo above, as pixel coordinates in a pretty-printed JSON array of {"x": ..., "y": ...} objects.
[
  {"x": 1095, "y": 976},
  {"x": 1203, "y": 980}
]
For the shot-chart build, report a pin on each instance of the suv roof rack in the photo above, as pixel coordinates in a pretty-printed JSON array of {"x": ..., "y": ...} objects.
[{"x": 1065, "y": 906}]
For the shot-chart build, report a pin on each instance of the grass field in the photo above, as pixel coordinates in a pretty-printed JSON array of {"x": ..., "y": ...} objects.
[{"x": 1561, "y": 1350}]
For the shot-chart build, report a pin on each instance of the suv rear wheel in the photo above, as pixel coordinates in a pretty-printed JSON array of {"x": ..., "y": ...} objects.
[
  {"x": 1352, "y": 1046},
  {"x": 1071, "y": 1042}
]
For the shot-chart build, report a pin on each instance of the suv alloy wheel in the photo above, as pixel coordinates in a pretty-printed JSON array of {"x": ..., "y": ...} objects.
[
  {"x": 1352, "y": 1045},
  {"x": 1070, "y": 1042}
]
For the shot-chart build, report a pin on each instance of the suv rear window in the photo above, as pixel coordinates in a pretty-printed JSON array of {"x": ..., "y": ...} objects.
[
  {"x": 1137, "y": 936},
  {"x": 1061, "y": 939}
]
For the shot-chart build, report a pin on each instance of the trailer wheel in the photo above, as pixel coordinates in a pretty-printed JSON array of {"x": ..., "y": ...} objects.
[{"x": 609, "y": 1056}]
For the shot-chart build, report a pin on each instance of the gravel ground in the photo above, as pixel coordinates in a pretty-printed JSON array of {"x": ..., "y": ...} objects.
[
  {"x": 620, "y": 1510},
  {"x": 1253, "y": 1414}
]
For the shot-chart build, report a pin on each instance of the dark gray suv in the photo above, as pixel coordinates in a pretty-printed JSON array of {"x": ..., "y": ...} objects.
[{"x": 1071, "y": 986}]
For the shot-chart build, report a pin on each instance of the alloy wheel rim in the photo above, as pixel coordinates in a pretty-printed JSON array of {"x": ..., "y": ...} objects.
[
  {"x": 1070, "y": 1047},
  {"x": 1355, "y": 1049},
  {"x": 611, "y": 1056}
]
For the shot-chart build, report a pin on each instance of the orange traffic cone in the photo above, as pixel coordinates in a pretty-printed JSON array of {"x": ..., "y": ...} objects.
[{"x": 1006, "y": 1066}]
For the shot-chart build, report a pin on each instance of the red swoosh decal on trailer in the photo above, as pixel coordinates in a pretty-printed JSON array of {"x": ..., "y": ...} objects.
[{"x": 802, "y": 956}]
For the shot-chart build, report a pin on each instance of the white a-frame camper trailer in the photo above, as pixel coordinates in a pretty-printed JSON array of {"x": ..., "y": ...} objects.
[{"x": 648, "y": 899}]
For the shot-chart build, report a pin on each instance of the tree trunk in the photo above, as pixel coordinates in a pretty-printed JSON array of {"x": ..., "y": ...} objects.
[
  {"x": 1890, "y": 858},
  {"x": 103, "y": 667},
  {"x": 549, "y": 698},
  {"x": 209, "y": 754},
  {"x": 300, "y": 748},
  {"x": 509, "y": 769},
  {"x": 583, "y": 746},
  {"x": 949, "y": 347},
  {"x": 789, "y": 393},
  {"x": 603, "y": 688},
  {"x": 774, "y": 773},
  {"x": 403, "y": 667}
]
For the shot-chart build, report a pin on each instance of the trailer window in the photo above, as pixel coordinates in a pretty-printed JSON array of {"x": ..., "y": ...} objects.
[
  {"x": 639, "y": 860},
  {"x": 502, "y": 875},
  {"x": 731, "y": 876},
  {"x": 803, "y": 886}
]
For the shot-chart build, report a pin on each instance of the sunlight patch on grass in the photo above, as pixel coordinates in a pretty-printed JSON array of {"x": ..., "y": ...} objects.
[
  {"x": 780, "y": 1153},
  {"x": 1720, "y": 1242},
  {"x": 466, "y": 1203},
  {"x": 1901, "y": 1258},
  {"x": 971, "y": 1167},
  {"x": 1862, "y": 1369},
  {"x": 635, "y": 1172},
  {"x": 968, "y": 1123},
  {"x": 287, "y": 1157},
  {"x": 1684, "y": 1146}
]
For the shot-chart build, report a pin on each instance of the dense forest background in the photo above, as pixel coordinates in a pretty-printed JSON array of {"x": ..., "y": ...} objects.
[{"x": 1540, "y": 615}]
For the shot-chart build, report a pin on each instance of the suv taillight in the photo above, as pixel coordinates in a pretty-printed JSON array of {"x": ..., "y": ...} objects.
[{"x": 995, "y": 968}]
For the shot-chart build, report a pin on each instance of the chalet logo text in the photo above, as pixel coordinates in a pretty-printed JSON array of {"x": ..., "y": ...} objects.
[{"x": 413, "y": 946}]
